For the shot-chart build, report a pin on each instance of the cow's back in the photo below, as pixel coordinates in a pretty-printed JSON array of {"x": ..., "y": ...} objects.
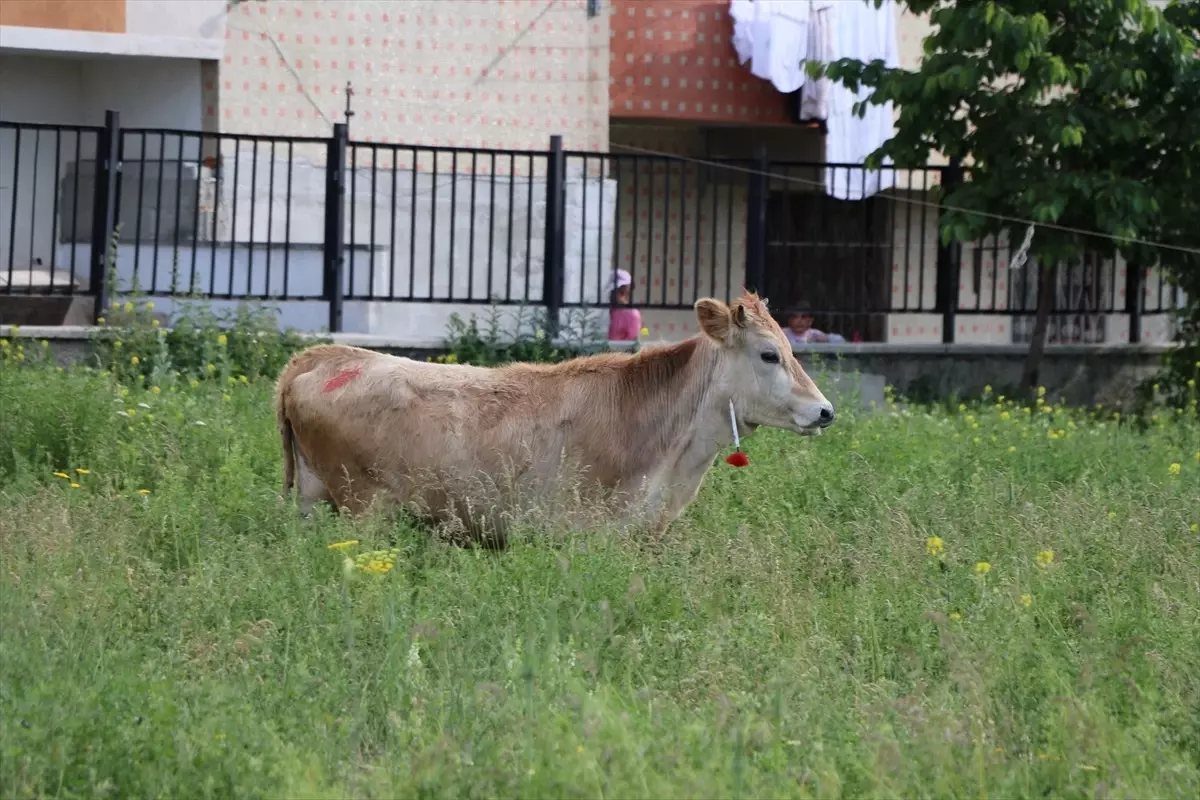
[{"x": 446, "y": 440}]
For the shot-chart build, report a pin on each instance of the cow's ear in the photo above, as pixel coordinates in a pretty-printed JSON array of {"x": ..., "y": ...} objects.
[
  {"x": 715, "y": 318},
  {"x": 739, "y": 315}
]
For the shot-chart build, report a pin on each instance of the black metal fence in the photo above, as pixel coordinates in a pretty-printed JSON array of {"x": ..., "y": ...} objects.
[{"x": 232, "y": 217}]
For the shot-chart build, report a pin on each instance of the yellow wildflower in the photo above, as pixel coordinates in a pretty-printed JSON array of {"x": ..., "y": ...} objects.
[
  {"x": 62, "y": 475},
  {"x": 115, "y": 305},
  {"x": 143, "y": 491},
  {"x": 1175, "y": 468},
  {"x": 1004, "y": 415},
  {"x": 343, "y": 545},
  {"x": 1027, "y": 600},
  {"x": 1045, "y": 558},
  {"x": 211, "y": 368},
  {"x": 983, "y": 568},
  {"x": 150, "y": 306},
  {"x": 154, "y": 390},
  {"x": 128, "y": 307},
  {"x": 83, "y": 471},
  {"x": 243, "y": 379},
  {"x": 153, "y": 323},
  {"x": 134, "y": 360},
  {"x": 99, "y": 320},
  {"x": 3, "y": 344},
  {"x": 955, "y": 616},
  {"x": 195, "y": 383},
  {"x": 222, "y": 340},
  {"x": 1195, "y": 527},
  {"x": 935, "y": 546},
  {"x": 644, "y": 331},
  {"x": 74, "y": 485}
]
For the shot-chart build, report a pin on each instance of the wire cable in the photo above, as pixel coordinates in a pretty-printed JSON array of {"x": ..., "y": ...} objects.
[{"x": 913, "y": 201}]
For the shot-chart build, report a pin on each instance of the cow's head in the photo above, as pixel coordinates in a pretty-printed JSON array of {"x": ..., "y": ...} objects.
[{"x": 757, "y": 367}]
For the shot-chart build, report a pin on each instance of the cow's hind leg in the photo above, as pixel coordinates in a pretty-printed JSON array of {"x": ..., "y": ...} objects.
[{"x": 310, "y": 489}]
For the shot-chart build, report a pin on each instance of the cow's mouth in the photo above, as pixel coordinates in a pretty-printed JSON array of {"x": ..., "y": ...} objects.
[{"x": 812, "y": 430}]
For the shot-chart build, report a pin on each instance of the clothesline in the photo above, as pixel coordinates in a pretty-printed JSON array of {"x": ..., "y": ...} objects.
[{"x": 1016, "y": 221}]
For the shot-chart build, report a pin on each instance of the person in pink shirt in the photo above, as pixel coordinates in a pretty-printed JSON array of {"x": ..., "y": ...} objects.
[
  {"x": 799, "y": 328},
  {"x": 624, "y": 323}
]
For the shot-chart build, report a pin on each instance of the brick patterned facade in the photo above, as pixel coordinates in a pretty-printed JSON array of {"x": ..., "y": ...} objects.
[{"x": 467, "y": 73}]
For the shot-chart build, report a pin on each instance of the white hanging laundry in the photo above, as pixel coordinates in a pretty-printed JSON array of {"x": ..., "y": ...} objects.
[
  {"x": 864, "y": 33},
  {"x": 789, "y": 44},
  {"x": 773, "y": 36},
  {"x": 760, "y": 40},
  {"x": 742, "y": 14},
  {"x": 814, "y": 97}
]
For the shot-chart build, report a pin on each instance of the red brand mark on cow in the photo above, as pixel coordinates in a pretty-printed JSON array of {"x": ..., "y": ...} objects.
[{"x": 341, "y": 379}]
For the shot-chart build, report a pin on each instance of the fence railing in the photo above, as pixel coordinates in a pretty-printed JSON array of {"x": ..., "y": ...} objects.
[{"x": 225, "y": 216}]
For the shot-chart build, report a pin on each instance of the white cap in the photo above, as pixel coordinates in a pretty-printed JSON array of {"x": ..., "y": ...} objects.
[{"x": 620, "y": 278}]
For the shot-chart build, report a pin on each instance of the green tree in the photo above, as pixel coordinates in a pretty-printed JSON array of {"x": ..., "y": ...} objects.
[{"x": 1082, "y": 114}]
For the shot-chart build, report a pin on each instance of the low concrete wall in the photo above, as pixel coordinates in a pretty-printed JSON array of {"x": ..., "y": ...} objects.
[{"x": 1077, "y": 374}]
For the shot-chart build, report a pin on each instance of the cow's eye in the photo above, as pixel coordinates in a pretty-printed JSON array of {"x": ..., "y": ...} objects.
[{"x": 770, "y": 357}]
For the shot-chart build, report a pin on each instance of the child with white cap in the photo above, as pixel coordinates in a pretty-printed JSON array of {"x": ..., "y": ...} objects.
[{"x": 624, "y": 323}]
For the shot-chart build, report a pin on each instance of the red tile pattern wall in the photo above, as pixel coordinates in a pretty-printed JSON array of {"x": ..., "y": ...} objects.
[{"x": 672, "y": 59}]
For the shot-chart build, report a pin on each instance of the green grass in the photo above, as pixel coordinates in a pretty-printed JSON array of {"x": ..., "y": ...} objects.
[{"x": 793, "y": 636}]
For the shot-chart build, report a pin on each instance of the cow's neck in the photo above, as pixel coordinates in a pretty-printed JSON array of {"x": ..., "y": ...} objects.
[{"x": 688, "y": 423}]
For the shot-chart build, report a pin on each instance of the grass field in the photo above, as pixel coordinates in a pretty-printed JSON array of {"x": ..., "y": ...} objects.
[{"x": 980, "y": 602}]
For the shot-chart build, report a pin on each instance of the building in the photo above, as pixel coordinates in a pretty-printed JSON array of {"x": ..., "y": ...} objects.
[{"x": 458, "y": 99}]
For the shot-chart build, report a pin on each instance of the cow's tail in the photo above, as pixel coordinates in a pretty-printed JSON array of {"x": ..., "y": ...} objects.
[{"x": 286, "y": 436}]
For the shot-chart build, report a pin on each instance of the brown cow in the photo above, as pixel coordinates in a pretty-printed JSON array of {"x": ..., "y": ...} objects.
[{"x": 478, "y": 445}]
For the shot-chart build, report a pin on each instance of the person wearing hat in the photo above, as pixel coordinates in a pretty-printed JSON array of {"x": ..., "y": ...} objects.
[{"x": 624, "y": 322}]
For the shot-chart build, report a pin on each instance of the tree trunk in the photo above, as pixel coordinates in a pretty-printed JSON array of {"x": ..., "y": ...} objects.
[{"x": 1037, "y": 341}]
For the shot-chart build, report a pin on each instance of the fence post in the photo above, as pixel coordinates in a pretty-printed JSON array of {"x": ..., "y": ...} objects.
[
  {"x": 556, "y": 236},
  {"x": 335, "y": 223},
  {"x": 105, "y": 200},
  {"x": 1135, "y": 290},
  {"x": 948, "y": 260},
  {"x": 756, "y": 224}
]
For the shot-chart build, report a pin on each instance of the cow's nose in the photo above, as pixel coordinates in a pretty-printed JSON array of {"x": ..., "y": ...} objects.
[{"x": 826, "y": 417}]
